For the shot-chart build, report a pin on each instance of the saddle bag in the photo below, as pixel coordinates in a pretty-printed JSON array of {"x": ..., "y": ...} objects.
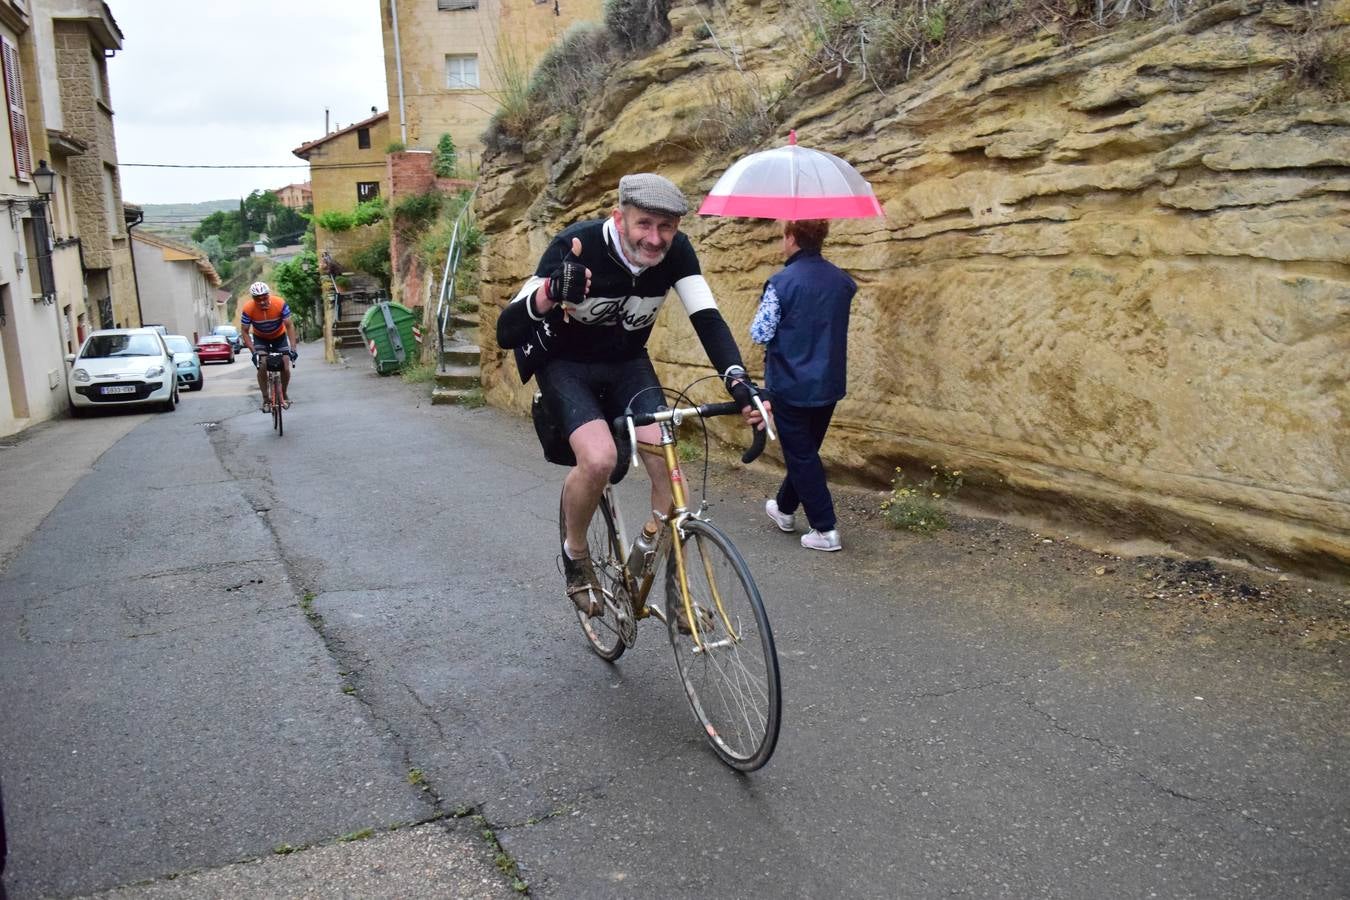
[
  {"x": 558, "y": 450},
  {"x": 550, "y": 432}
]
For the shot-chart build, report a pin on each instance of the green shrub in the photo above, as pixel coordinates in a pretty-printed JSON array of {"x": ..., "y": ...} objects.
[
  {"x": 435, "y": 242},
  {"x": 416, "y": 211},
  {"x": 395, "y": 147},
  {"x": 369, "y": 212},
  {"x": 334, "y": 220}
]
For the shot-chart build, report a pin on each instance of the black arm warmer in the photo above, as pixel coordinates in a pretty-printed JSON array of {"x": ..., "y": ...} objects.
[{"x": 716, "y": 339}]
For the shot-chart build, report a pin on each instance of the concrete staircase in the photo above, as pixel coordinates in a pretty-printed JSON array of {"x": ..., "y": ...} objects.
[
  {"x": 461, "y": 361},
  {"x": 347, "y": 333}
]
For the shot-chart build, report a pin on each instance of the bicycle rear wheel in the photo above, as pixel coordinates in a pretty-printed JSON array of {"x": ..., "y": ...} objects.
[
  {"x": 732, "y": 680},
  {"x": 604, "y": 633}
]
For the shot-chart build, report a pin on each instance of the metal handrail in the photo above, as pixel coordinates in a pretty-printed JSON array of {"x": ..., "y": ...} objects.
[{"x": 453, "y": 255}]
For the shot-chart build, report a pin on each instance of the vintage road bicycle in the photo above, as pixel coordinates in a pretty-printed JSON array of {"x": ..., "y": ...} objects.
[
  {"x": 725, "y": 653},
  {"x": 275, "y": 363}
]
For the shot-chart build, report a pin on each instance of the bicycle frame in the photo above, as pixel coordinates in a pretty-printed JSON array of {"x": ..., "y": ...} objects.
[{"x": 673, "y": 521}]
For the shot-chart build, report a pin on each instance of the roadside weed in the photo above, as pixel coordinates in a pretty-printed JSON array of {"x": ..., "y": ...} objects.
[
  {"x": 419, "y": 373},
  {"x": 917, "y": 505}
]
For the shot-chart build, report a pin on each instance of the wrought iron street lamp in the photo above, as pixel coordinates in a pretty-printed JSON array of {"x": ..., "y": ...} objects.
[{"x": 45, "y": 180}]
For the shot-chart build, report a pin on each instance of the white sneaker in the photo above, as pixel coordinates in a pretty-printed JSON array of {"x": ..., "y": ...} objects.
[
  {"x": 822, "y": 540},
  {"x": 784, "y": 521}
]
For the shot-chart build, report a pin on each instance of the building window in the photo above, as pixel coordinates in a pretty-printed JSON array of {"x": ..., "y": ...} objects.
[
  {"x": 115, "y": 222},
  {"x": 18, "y": 115},
  {"x": 456, "y": 4},
  {"x": 363, "y": 138},
  {"x": 367, "y": 190},
  {"x": 461, "y": 72}
]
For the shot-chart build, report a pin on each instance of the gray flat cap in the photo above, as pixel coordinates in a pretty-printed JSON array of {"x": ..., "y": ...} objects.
[{"x": 652, "y": 192}]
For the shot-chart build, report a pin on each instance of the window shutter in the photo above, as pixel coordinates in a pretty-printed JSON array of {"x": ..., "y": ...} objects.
[
  {"x": 456, "y": 4},
  {"x": 18, "y": 116},
  {"x": 42, "y": 238}
]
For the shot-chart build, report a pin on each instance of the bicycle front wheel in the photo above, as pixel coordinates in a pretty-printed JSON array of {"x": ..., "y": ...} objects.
[
  {"x": 730, "y": 673},
  {"x": 276, "y": 408},
  {"x": 603, "y": 632}
]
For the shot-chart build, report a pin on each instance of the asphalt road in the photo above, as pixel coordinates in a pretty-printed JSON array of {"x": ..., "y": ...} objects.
[{"x": 218, "y": 643}]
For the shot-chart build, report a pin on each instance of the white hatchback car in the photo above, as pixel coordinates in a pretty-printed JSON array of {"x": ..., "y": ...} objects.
[{"x": 122, "y": 367}]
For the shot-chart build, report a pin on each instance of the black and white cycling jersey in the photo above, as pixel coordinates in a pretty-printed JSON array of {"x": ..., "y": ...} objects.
[{"x": 615, "y": 320}]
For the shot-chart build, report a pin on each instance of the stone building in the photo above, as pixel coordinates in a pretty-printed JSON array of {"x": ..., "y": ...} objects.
[
  {"x": 73, "y": 39},
  {"x": 447, "y": 62},
  {"x": 346, "y": 167},
  {"x": 177, "y": 285},
  {"x": 295, "y": 196},
  {"x": 65, "y": 266}
]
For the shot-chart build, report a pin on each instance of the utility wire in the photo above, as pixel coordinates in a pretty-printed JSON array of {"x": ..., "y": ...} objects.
[{"x": 287, "y": 166}]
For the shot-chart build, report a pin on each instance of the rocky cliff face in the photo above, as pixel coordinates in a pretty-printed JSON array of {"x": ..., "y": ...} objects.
[{"x": 1112, "y": 279}]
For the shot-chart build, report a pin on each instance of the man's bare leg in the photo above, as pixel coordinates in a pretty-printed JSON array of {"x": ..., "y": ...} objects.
[
  {"x": 286, "y": 380},
  {"x": 656, "y": 471},
  {"x": 594, "y": 448}
]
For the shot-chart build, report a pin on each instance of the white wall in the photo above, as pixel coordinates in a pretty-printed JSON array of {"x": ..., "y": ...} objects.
[
  {"x": 174, "y": 293},
  {"x": 30, "y": 345}
]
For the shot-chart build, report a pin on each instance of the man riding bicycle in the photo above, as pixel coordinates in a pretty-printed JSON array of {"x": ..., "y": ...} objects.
[
  {"x": 580, "y": 326},
  {"x": 266, "y": 321}
]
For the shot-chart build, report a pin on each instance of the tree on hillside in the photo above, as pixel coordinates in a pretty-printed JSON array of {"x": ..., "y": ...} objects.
[
  {"x": 298, "y": 281},
  {"x": 225, "y": 225},
  {"x": 261, "y": 212}
]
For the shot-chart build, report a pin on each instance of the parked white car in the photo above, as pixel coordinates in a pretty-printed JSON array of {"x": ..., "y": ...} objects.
[{"x": 122, "y": 367}]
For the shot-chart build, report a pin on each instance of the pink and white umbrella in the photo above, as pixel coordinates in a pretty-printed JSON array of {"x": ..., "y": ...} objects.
[{"x": 792, "y": 182}]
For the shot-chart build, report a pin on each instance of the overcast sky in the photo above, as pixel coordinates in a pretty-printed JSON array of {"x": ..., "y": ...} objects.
[{"x": 242, "y": 82}]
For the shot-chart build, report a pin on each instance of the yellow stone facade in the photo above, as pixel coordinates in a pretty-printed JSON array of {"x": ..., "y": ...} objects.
[
  {"x": 499, "y": 39},
  {"x": 343, "y": 168}
]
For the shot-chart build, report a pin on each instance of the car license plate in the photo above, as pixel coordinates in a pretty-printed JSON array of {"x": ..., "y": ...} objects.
[{"x": 119, "y": 389}]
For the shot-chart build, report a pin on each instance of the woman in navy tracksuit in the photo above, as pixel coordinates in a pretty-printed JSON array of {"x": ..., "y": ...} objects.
[{"x": 803, "y": 321}]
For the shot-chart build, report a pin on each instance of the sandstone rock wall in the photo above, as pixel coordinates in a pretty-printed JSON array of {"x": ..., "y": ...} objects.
[{"x": 1112, "y": 279}]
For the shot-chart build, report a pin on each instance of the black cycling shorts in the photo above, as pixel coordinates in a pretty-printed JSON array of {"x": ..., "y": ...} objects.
[
  {"x": 580, "y": 392},
  {"x": 276, "y": 344}
]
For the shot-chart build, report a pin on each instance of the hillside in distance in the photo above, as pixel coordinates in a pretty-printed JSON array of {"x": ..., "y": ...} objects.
[{"x": 178, "y": 220}]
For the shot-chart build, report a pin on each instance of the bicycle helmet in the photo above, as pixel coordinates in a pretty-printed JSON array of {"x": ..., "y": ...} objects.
[{"x": 259, "y": 289}]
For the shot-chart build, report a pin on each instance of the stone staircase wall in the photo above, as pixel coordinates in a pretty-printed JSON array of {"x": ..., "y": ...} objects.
[{"x": 460, "y": 365}]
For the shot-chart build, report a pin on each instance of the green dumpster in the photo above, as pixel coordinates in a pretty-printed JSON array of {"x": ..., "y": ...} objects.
[{"x": 388, "y": 330}]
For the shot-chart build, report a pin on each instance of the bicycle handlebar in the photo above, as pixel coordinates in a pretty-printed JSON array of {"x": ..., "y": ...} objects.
[{"x": 632, "y": 421}]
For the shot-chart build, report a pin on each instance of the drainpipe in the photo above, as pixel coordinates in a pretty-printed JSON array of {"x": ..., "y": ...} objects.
[
  {"x": 398, "y": 66},
  {"x": 131, "y": 248}
]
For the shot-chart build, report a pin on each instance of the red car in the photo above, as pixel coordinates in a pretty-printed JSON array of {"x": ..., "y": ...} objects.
[{"x": 215, "y": 348}]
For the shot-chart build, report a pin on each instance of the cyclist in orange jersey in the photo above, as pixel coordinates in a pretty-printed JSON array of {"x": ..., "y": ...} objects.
[{"x": 266, "y": 321}]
